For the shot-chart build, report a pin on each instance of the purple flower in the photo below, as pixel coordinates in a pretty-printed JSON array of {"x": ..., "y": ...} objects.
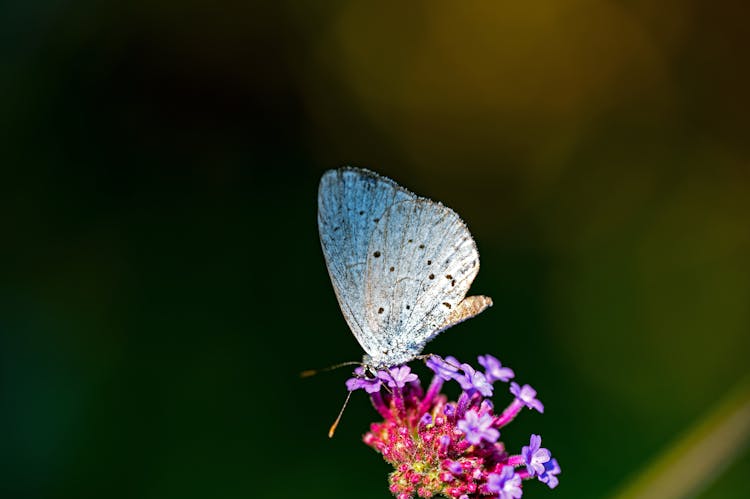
[
  {"x": 527, "y": 395},
  {"x": 426, "y": 419},
  {"x": 445, "y": 442},
  {"x": 473, "y": 381},
  {"x": 370, "y": 385},
  {"x": 486, "y": 406},
  {"x": 494, "y": 370},
  {"x": 478, "y": 428},
  {"x": 507, "y": 483},
  {"x": 397, "y": 377},
  {"x": 535, "y": 456},
  {"x": 455, "y": 468},
  {"x": 445, "y": 368},
  {"x": 551, "y": 470},
  {"x": 449, "y": 410}
]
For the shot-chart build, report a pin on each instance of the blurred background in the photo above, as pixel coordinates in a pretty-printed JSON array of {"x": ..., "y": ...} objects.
[{"x": 163, "y": 281}]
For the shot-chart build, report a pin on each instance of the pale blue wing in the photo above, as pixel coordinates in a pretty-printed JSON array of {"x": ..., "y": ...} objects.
[{"x": 400, "y": 264}]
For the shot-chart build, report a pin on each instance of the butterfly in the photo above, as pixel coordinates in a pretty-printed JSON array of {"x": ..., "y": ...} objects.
[{"x": 400, "y": 264}]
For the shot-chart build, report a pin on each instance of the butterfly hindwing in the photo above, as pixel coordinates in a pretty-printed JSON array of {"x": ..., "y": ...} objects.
[{"x": 421, "y": 262}]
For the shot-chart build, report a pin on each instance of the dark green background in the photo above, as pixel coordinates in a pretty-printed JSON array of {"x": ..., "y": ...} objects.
[{"x": 163, "y": 283}]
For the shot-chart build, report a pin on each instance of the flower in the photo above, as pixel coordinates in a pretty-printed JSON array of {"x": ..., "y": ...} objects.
[
  {"x": 551, "y": 470},
  {"x": 507, "y": 483},
  {"x": 448, "y": 448},
  {"x": 397, "y": 377},
  {"x": 494, "y": 370},
  {"x": 474, "y": 381},
  {"x": 427, "y": 420},
  {"x": 527, "y": 395},
  {"x": 534, "y": 456},
  {"x": 446, "y": 368},
  {"x": 478, "y": 428},
  {"x": 455, "y": 467}
]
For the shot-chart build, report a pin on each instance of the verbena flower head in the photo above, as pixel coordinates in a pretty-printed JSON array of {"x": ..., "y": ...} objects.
[{"x": 437, "y": 447}]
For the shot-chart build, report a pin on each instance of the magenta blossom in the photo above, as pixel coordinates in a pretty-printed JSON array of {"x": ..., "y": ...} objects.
[{"x": 452, "y": 449}]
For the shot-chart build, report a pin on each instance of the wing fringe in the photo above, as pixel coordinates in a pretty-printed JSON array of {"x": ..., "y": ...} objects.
[{"x": 466, "y": 309}]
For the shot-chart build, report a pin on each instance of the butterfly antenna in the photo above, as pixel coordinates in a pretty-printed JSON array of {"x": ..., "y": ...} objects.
[
  {"x": 338, "y": 418},
  {"x": 312, "y": 372}
]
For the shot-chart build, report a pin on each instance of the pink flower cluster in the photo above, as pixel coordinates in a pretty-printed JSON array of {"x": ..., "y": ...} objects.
[{"x": 437, "y": 447}]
